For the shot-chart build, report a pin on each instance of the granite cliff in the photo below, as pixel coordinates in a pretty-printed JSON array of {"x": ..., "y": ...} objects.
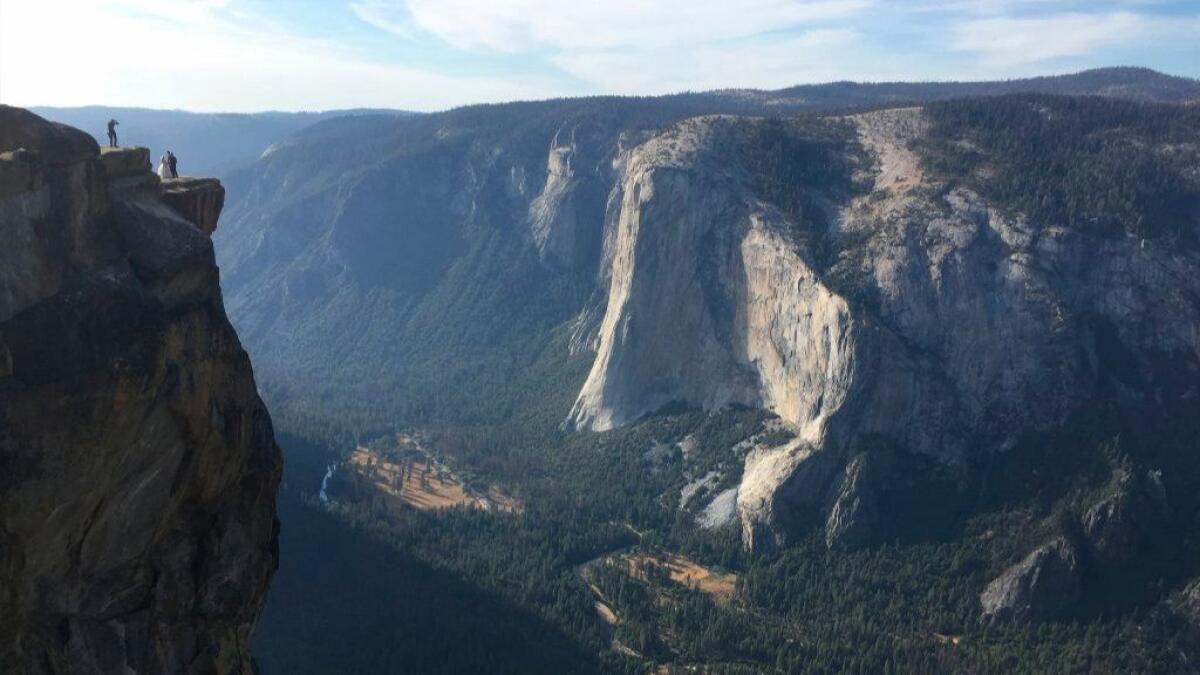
[
  {"x": 138, "y": 465},
  {"x": 950, "y": 326}
]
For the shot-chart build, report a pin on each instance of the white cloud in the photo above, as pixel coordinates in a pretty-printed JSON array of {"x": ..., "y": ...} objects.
[
  {"x": 769, "y": 64},
  {"x": 530, "y": 25},
  {"x": 386, "y": 16},
  {"x": 192, "y": 54},
  {"x": 1017, "y": 41},
  {"x": 639, "y": 46},
  {"x": 228, "y": 55}
]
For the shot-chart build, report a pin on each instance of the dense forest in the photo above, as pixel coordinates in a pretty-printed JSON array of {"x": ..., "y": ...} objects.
[
  {"x": 909, "y": 605},
  {"x": 1094, "y": 164}
]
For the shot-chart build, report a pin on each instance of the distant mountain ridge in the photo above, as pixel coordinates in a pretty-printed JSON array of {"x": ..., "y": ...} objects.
[
  {"x": 1121, "y": 82},
  {"x": 214, "y": 143},
  {"x": 206, "y": 143}
]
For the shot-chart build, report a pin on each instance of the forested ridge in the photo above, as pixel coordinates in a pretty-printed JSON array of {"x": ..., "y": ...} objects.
[{"x": 1094, "y": 164}]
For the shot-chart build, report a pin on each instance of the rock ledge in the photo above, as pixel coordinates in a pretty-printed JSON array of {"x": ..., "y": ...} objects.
[{"x": 199, "y": 200}]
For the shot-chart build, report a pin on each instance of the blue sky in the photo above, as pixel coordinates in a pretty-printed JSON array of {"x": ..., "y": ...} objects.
[{"x": 247, "y": 55}]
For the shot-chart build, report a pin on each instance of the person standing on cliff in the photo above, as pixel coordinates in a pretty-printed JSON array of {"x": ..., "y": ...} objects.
[
  {"x": 112, "y": 133},
  {"x": 172, "y": 161}
]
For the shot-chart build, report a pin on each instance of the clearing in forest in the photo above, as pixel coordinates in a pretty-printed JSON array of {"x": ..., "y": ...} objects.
[
  {"x": 423, "y": 483},
  {"x": 681, "y": 570}
]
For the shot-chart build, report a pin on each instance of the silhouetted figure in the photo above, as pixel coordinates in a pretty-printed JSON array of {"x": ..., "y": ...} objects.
[
  {"x": 112, "y": 133},
  {"x": 172, "y": 161}
]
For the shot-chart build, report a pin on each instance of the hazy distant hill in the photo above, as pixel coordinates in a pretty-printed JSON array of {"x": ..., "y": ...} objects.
[
  {"x": 206, "y": 143},
  {"x": 1125, "y": 82}
]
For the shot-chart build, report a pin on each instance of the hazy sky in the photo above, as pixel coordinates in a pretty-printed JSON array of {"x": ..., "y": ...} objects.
[{"x": 243, "y": 55}]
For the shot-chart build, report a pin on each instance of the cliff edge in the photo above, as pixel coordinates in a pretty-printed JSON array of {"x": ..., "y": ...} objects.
[{"x": 138, "y": 466}]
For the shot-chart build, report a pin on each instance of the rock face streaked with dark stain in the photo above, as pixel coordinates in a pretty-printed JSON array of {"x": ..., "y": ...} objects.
[{"x": 138, "y": 466}]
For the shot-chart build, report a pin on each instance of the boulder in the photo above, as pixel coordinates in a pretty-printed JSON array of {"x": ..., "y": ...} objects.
[
  {"x": 1045, "y": 585},
  {"x": 57, "y": 143}
]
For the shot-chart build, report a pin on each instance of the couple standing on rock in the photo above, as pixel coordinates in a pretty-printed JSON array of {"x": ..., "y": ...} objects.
[{"x": 166, "y": 166}]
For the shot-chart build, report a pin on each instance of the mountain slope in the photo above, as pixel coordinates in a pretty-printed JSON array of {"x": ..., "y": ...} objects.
[{"x": 1133, "y": 83}]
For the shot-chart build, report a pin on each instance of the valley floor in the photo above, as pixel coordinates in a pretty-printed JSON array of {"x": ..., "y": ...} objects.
[{"x": 594, "y": 573}]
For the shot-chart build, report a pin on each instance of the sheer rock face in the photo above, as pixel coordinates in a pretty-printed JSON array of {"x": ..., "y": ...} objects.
[
  {"x": 962, "y": 324},
  {"x": 138, "y": 467},
  {"x": 708, "y": 303},
  {"x": 1044, "y": 585}
]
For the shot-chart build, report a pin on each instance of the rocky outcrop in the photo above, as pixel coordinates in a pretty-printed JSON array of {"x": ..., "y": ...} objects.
[
  {"x": 566, "y": 217},
  {"x": 1121, "y": 524},
  {"x": 125, "y": 161},
  {"x": 199, "y": 200},
  {"x": 127, "y": 173},
  {"x": 1044, "y": 585},
  {"x": 854, "y": 516},
  {"x": 1186, "y": 603},
  {"x": 940, "y": 322},
  {"x": 782, "y": 491},
  {"x": 138, "y": 467}
]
